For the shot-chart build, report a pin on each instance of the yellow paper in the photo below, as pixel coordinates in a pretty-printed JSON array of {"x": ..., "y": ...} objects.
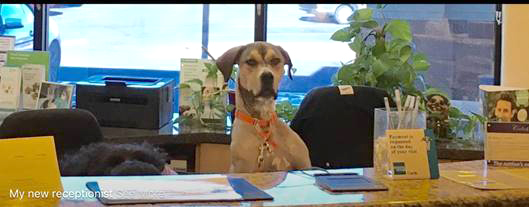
[
  {"x": 500, "y": 178},
  {"x": 408, "y": 158},
  {"x": 29, "y": 171}
]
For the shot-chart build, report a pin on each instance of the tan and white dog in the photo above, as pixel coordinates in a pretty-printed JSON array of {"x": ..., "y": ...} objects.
[{"x": 261, "y": 142}]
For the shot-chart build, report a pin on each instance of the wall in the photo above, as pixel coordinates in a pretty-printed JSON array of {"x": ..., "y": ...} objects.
[{"x": 515, "y": 41}]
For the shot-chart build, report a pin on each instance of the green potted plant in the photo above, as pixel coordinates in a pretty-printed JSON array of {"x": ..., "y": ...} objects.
[{"x": 385, "y": 58}]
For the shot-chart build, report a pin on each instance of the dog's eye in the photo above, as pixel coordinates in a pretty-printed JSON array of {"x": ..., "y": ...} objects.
[
  {"x": 274, "y": 61},
  {"x": 251, "y": 62}
]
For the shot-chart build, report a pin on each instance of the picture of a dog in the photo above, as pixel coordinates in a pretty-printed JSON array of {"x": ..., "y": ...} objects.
[{"x": 272, "y": 146}]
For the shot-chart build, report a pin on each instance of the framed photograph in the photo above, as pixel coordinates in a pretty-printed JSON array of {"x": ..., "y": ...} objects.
[{"x": 54, "y": 95}]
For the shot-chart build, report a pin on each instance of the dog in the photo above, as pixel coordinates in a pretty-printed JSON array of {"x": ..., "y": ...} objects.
[
  {"x": 259, "y": 141},
  {"x": 104, "y": 159}
]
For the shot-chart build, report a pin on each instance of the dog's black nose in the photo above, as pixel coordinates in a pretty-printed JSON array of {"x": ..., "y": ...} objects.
[{"x": 267, "y": 78}]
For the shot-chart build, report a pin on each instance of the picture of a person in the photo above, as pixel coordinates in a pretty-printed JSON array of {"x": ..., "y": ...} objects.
[{"x": 505, "y": 108}]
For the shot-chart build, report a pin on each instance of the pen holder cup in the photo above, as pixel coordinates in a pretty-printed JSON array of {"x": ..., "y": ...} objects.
[{"x": 381, "y": 142}]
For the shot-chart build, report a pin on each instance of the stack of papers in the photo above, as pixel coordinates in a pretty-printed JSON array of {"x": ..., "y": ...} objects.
[{"x": 184, "y": 190}]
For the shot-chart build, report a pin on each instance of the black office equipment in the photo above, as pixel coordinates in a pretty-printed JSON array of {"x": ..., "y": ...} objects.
[
  {"x": 347, "y": 182},
  {"x": 130, "y": 102}
]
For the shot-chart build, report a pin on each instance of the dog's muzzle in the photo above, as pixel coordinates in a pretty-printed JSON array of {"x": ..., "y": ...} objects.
[{"x": 267, "y": 86}]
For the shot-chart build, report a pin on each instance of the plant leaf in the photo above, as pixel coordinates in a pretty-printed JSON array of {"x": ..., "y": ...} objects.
[
  {"x": 420, "y": 62},
  {"x": 396, "y": 44},
  {"x": 357, "y": 45},
  {"x": 363, "y": 14},
  {"x": 379, "y": 68},
  {"x": 431, "y": 91},
  {"x": 370, "y": 24},
  {"x": 405, "y": 53},
  {"x": 399, "y": 29},
  {"x": 342, "y": 35},
  {"x": 345, "y": 74},
  {"x": 380, "y": 47}
]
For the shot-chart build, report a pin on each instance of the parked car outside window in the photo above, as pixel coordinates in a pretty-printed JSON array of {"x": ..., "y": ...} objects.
[{"x": 17, "y": 20}]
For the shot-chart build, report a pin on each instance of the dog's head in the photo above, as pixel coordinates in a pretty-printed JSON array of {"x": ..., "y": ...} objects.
[{"x": 261, "y": 67}]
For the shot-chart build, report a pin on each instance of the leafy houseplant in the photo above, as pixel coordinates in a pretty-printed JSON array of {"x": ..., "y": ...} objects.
[{"x": 385, "y": 58}]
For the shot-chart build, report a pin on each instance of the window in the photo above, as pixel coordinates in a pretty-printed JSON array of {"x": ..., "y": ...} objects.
[
  {"x": 457, "y": 38},
  {"x": 153, "y": 36}
]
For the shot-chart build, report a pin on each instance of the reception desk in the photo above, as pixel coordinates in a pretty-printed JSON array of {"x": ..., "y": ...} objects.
[{"x": 296, "y": 188}]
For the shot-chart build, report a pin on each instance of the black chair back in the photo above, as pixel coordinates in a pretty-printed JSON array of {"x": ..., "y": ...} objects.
[
  {"x": 71, "y": 128},
  {"x": 338, "y": 129}
]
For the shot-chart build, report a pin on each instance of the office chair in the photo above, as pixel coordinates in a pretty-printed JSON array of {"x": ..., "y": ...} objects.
[
  {"x": 71, "y": 128},
  {"x": 338, "y": 129}
]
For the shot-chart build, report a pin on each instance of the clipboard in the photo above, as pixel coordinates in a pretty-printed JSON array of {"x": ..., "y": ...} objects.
[{"x": 242, "y": 187}]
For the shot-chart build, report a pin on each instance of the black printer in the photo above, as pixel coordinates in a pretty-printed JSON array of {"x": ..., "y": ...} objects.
[{"x": 130, "y": 102}]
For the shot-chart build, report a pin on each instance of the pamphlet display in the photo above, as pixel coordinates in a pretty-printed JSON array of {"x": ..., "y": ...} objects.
[
  {"x": 507, "y": 129},
  {"x": 21, "y": 58},
  {"x": 34, "y": 67}
]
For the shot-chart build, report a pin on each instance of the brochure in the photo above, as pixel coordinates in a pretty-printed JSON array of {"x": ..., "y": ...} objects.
[
  {"x": 202, "y": 98},
  {"x": 21, "y": 58},
  {"x": 507, "y": 133},
  {"x": 10, "y": 83},
  {"x": 6, "y": 43},
  {"x": 507, "y": 144},
  {"x": 32, "y": 76},
  {"x": 54, "y": 95}
]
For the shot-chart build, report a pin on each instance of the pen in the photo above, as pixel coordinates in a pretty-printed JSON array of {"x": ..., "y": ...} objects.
[
  {"x": 388, "y": 112},
  {"x": 410, "y": 109},
  {"x": 399, "y": 107},
  {"x": 405, "y": 111},
  {"x": 415, "y": 111}
]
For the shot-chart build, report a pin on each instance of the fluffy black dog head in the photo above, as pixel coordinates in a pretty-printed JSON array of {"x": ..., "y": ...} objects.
[{"x": 101, "y": 159}]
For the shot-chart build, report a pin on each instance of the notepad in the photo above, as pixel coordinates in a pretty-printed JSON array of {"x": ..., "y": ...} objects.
[
  {"x": 341, "y": 183},
  {"x": 179, "y": 190}
]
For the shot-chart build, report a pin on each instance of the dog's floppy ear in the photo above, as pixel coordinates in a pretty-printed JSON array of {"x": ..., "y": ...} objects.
[
  {"x": 226, "y": 61},
  {"x": 287, "y": 60}
]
